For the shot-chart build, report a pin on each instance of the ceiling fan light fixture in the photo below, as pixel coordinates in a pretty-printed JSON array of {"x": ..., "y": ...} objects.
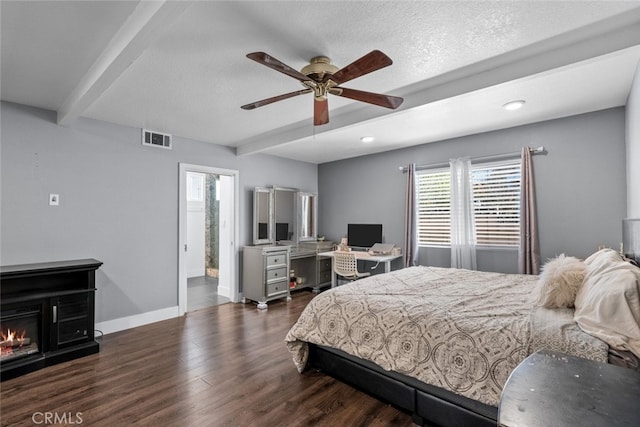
[
  {"x": 514, "y": 105},
  {"x": 367, "y": 139}
]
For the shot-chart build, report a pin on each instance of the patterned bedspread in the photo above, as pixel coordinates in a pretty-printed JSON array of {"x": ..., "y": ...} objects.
[{"x": 460, "y": 330}]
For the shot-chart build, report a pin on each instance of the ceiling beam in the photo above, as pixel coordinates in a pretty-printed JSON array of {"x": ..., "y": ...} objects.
[{"x": 148, "y": 20}]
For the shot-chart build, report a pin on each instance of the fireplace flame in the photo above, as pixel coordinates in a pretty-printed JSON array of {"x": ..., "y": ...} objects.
[
  {"x": 11, "y": 339},
  {"x": 16, "y": 344}
]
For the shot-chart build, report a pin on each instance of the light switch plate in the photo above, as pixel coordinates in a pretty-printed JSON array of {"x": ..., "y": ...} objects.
[{"x": 54, "y": 199}]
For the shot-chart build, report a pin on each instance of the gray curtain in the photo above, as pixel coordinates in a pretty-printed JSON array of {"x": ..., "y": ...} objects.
[
  {"x": 410, "y": 249},
  {"x": 529, "y": 254}
]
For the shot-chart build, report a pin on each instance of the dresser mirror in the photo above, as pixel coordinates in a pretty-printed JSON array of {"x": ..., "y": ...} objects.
[
  {"x": 283, "y": 214},
  {"x": 306, "y": 210},
  {"x": 262, "y": 214}
]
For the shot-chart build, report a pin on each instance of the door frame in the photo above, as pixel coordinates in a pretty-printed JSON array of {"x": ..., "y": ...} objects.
[{"x": 182, "y": 230}]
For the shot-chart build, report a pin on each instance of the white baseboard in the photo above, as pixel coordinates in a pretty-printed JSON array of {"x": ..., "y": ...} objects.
[
  {"x": 224, "y": 291},
  {"x": 115, "y": 325},
  {"x": 198, "y": 272}
]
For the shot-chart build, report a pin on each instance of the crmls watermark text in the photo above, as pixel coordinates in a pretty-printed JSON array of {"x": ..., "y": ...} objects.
[{"x": 50, "y": 418}]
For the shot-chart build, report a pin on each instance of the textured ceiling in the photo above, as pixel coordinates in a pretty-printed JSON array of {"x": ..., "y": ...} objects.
[{"x": 180, "y": 67}]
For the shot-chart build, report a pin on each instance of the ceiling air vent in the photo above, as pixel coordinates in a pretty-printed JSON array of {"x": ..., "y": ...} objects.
[{"x": 156, "y": 139}]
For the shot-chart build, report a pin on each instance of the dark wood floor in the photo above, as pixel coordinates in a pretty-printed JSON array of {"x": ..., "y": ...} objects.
[{"x": 222, "y": 366}]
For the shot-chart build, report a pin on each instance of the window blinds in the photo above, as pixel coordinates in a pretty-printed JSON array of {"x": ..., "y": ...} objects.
[{"x": 496, "y": 193}]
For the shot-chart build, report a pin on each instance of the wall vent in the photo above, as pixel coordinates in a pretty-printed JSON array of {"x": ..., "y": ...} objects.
[{"x": 156, "y": 139}]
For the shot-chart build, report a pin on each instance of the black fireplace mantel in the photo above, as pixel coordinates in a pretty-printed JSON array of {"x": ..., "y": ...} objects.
[{"x": 62, "y": 294}]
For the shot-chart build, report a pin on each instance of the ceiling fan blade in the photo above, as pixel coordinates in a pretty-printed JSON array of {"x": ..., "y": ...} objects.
[
  {"x": 320, "y": 111},
  {"x": 271, "y": 62},
  {"x": 382, "y": 100},
  {"x": 372, "y": 61},
  {"x": 274, "y": 99}
]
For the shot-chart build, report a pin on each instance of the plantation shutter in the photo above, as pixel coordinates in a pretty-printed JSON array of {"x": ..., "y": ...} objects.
[
  {"x": 434, "y": 217},
  {"x": 496, "y": 193}
]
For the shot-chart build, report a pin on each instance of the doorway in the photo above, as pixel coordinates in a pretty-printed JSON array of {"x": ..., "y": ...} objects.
[
  {"x": 207, "y": 235},
  {"x": 203, "y": 243}
]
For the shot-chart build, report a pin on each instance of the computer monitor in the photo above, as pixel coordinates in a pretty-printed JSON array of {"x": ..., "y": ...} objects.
[{"x": 364, "y": 235}]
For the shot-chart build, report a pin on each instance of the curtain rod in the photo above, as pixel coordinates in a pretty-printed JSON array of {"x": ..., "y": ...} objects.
[{"x": 536, "y": 150}]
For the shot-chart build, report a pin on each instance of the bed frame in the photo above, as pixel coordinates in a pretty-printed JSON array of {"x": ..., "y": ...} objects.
[{"x": 427, "y": 404}]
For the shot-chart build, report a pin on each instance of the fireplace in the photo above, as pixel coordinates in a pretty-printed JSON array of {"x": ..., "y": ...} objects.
[
  {"x": 20, "y": 334},
  {"x": 46, "y": 314}
]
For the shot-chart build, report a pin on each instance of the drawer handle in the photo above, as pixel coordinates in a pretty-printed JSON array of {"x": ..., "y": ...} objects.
[
  {"x": 275, "y": 274},
  {"x": 275, "y": 260}
]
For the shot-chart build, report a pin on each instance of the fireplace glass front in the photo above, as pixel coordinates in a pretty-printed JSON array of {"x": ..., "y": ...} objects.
[{"x": 19, "y": 333}]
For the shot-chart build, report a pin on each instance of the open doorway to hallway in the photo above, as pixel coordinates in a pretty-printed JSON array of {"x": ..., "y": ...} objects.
[
  {"x": 208, "y": 230},
  {"x": 203, "y": 241}
]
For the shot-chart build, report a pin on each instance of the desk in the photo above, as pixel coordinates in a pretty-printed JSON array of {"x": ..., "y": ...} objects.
[
  {"x": 362, "y": 256},
  {"x": 555, "y": 389}
]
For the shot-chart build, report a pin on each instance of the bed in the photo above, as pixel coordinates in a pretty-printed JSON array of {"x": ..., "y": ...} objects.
[{"x": 440, "y": 343}]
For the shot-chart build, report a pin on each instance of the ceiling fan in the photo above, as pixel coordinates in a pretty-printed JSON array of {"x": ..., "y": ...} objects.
[{"x": 323, "y": 78}]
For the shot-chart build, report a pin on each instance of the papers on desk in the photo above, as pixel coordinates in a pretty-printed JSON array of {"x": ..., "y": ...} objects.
[{"x": 382, "y": 249}]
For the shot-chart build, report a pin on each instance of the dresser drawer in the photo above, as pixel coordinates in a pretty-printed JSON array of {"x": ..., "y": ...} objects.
[
  {"x": 276, "y": 259},
  {"x": 277, "y": 288},
  {"x": 324, "y": 276},
  {"x": 324, "y": 264},
  {"x": 277, "y": 274}
]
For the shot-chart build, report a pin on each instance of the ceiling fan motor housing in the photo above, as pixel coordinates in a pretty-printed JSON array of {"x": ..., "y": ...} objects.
[
  {"x": 317, "y": 70},
  {"x": 318, "y": 67}
]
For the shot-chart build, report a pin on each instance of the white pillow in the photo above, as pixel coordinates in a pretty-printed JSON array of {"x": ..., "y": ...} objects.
[
  {"x": 608, "y": 305},
  {"x": 559, "y": 281},
  {"x": 602, "y": 258}
]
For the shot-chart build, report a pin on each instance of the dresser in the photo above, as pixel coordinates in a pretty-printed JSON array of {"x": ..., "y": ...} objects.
[{"x": 265, "y": 273}]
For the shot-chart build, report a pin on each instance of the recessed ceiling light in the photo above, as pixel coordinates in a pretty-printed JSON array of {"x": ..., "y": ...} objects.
[
  {"x": 513, "y": 105},
  {"x": 367, "y": 139}
]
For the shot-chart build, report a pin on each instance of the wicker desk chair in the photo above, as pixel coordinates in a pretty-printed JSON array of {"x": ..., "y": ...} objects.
[{"x": 345, "y": 265}]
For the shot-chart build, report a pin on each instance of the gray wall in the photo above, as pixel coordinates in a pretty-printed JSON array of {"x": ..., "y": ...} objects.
[
  {"x": 118, "y": 201},
  {"x": 580, "y": 186},
  {"x": 633, "y": 148}
]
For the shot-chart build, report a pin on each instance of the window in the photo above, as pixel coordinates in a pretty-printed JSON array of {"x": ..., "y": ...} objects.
[
  {"x": 434, "y": 207},
  {"x": 195, "y": 187},
  {"x": 496, "y": 194}
]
